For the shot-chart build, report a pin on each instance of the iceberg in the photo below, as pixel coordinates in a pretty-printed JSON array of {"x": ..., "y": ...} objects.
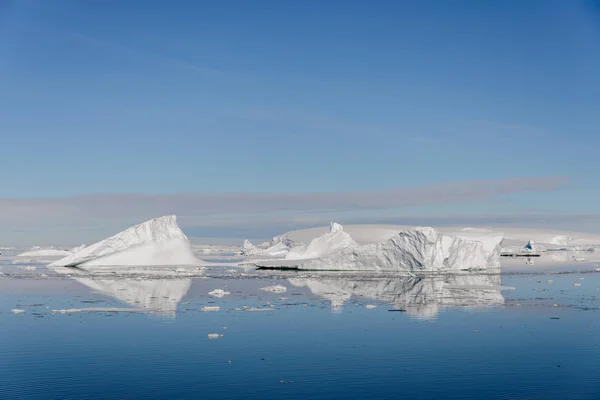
[
  {"x": 324, "y": 245},
  {"x": 417, "y": 249},
  {"x": 159, "y": 241}
]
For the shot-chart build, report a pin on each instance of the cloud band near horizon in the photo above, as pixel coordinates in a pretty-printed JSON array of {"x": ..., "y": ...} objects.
[{"x": 80, "y": 210}]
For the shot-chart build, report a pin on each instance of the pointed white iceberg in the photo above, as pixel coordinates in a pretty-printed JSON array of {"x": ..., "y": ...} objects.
[
  {"x": 159, "y": 241},
  {"x": 324, "y": 245},
  {"x": 418, "y": 249}
]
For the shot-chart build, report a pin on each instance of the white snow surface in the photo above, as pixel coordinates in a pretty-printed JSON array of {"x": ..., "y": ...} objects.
[
  {"x": 159, "y": 241},
  {"x": 417, "y": 249}
]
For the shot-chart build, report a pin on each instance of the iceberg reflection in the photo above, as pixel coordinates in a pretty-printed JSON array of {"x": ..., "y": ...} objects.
[
  {"x": 420, "y": 296},
  {"x": 157, "y": 295}
]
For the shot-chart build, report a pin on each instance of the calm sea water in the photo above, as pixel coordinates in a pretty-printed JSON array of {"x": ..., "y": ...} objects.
[{"x": 529, "y": 334}]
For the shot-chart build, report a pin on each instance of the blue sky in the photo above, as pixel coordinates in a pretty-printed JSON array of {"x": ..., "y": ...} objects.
[{"x": 300, "y": 97}]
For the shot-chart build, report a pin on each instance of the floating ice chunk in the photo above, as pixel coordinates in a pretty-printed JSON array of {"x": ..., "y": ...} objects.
[
  {"x": 156, "y": 242},
  {"x": 370, "y": 306},
  {"x": 218, "y": 293},
  {"x": 17, "y": 311},
  {"x": 28, "y": 268},
  {"x": 257, "y": 309},
  {"x": 100, "y": 309},
  {"x": 215, "y": 336},
  {"x": 577, "y": 284},
  {"x": 210, "y": 308},
  {"x": 274, "y": 289}
]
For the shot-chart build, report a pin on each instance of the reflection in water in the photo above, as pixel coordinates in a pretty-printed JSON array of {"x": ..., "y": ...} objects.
[
  {"x": 421, "y": 297},
  {"x": 159, "y": 295},
  {"x": 156, "y": 295}
]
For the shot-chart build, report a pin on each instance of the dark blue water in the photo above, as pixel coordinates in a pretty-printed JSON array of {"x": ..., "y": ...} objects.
[{"x": 542, "y": 341}]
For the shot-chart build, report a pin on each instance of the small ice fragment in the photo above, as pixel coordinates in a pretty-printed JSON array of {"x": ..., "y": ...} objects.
[
  {"x": 232, "y": 271},
  {"x": 215, "y": 336},
  {"x": 274, "y": 289},
  {"x": 555, "y": 305},
  {"x": 218, "y": 293},
  {"x": 28, "y": 268},
  {"x": 577, "y": 284},
  {"x": 17, "y": 311},
  {"x": 283, "y": 298},
  {"x": 210, "y": 308},
  {"x": 550, "y": 281},
  {"x": 255, "y": 309},
  {"x": 370, "y": 306}
]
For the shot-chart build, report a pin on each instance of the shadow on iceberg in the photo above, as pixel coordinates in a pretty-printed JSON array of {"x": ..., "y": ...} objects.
[{"x": 421, "y": 297}]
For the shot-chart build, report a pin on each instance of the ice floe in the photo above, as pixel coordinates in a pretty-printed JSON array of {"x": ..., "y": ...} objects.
[
  {"x": 274, "y": 289},
  {"x": 218, "y": 293}
]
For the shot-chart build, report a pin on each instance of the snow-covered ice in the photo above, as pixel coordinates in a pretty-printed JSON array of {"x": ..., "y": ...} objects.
[
  {"x": 215, "y": 336},
  {"x": 274, "y": 289},
  {"x": 159, "y": 241},
  {"x": 218, "y": 293},
  {"x": 210, "y": 308}
]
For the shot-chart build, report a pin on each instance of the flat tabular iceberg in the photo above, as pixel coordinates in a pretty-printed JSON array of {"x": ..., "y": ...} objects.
[
  {"x": 156, "y": 242},
  {"x": 417, "y": 249}
]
